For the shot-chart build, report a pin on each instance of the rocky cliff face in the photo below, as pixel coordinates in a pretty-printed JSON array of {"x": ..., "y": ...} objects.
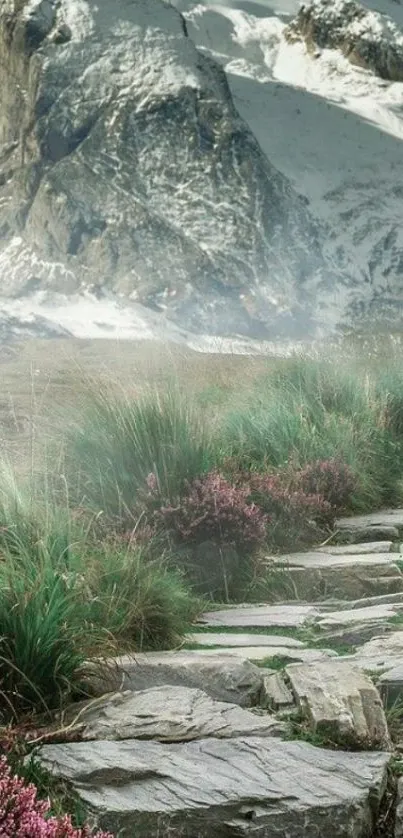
[
  {"x": 367, "y": 38},
  {"x": 124, "y": 165}
]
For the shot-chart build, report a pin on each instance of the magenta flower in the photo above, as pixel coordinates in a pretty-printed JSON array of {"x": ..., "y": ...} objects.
[{"x": 22, "y": 815}]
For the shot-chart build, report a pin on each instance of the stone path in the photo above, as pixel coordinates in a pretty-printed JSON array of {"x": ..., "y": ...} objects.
[{"x": 190, "y": 743}]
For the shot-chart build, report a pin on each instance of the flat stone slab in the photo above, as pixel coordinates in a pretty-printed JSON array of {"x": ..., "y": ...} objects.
[
  {"x": 259, "y": 654},
  {"x": 224, "y": 677},
  {"x": 357, "y": 549},
  {"x": 341, "y": 702},
  {"x": 364, "y": 602},
  {"x": 233, "y": 639},
  {"x": 357, "y": 615},
  {"x": 167, "y": 714},
  {"x": 315, "y": 576},
  {"x": 354, "y": 634},
  {"x": 380, "y": 654},
  {"x": 384, "y": 518},
  {"x": 210, "y": 788},
  {"x": 318, "y": 560},
  {"x": 385, "y": 647},
  {"x": 386, "y": 525},
  {"x": 260, "y": 616}
]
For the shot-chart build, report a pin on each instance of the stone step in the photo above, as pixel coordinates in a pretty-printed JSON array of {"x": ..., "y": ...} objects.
[
  {"x": 258, "y": 654},
  {"x": 204, "y": 638},
  {"x": 316, "y": 575},
  {"x": 347, "y": 617},
  {"x": 386, "y": 524},
  {"x": 261, "y": 616},
  {"x": 224, "y": 677},
  {"x": 321, "y": 560},
  {"x": 340, "y": 605},
  {"x": 256, "y": 786},
  {"x": 357, "y": 549}
]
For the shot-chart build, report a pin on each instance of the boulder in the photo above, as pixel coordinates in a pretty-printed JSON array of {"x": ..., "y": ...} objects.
[
  {"x": 366, "y": 37},
  {"x": 166, "y": 714},
  {"x": 340, "y": 702},
  {"x": 125, "y": 167},
  {"x": 223, "y": 677},
  {"x": 214, "y": 788}
]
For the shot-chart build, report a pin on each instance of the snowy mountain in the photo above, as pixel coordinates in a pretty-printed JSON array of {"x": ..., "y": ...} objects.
[
  {"x": 332, "y": 128},
  {"x": 224, "y": 164}
]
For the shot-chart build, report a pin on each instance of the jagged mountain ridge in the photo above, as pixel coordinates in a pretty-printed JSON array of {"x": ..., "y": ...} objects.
[{"x": 134, "y": 172}]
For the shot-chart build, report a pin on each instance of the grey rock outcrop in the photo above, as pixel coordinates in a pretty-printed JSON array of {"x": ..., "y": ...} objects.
[
  {"x": 125, "y": 166},
  {"x": 340, "y": 702},
  {"x": 366, "y": 38},
  {"x": 210, "y": 788}
]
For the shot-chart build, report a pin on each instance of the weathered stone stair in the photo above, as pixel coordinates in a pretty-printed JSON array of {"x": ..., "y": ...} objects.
[{"x": 218, "y": 763}]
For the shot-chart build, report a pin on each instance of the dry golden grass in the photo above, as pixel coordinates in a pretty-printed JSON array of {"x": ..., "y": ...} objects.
[{"x": 38, "y": 377}]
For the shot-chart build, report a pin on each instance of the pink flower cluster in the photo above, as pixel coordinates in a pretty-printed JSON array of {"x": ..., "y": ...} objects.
[
  {"x": 333, "y": 479},
  {"x": 22, "y": 815},
  {"x": 213, "y": 509}
]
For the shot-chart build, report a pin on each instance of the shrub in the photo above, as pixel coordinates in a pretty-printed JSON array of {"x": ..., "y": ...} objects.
[
  {"x": 294, "y": 517},
  {"x": 22, "y": 815},
  {"x": 212, "y": 509},
  {"x": 332, "y": 479}
]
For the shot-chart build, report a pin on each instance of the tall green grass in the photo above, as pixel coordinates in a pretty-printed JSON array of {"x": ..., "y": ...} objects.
[
  {"x": 140, "y": 600},
  {"x": 116, "y": 443},
  {"x": 310, "y": 410},
  {"x": 40, "y": 652},
  {"x": 65, "y": 598}
]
